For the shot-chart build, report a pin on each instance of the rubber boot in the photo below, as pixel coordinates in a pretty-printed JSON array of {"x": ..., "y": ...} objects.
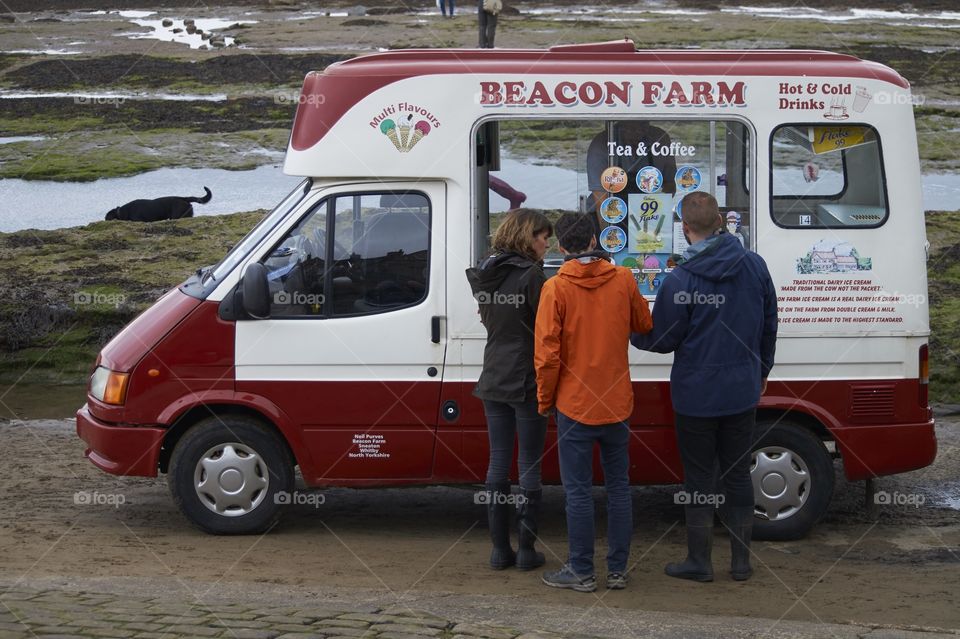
[
  {"x": 741, "y": 528},
  {"x": 696, "y": 566},
  {"x": 498, "y": 519},
  {"x": 528, "y": 508}
]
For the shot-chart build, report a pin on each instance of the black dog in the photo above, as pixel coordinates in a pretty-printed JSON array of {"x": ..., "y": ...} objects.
[{"x": 162, "y": 208}]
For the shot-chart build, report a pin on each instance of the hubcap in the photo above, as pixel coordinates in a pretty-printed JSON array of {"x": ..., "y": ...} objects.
[
  {"x": 781, "y": 482},
  {"x": 231, "y": 479}
]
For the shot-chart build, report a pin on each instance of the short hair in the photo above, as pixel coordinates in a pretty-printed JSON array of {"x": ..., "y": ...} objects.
[
  {"x": 517, "y": 230},
  {"x": 701, "y": 212},
  {"x": 574, "y": 231}
]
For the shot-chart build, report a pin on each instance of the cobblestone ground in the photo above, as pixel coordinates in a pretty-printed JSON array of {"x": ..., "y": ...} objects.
[{"x": 50, "y": 614}]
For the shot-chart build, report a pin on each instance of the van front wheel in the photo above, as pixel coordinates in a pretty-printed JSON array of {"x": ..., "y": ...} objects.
[
  {"x": 793, "y": 481},
  {"x": 226, "y": 474}
]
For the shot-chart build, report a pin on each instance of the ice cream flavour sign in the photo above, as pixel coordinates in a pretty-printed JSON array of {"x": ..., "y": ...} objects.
[{"x": 404, "y": 124}]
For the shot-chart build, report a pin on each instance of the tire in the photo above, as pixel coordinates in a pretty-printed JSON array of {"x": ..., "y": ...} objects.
[
  {"x": 225, "y": 474},
  {"x": 793, "y": 481}
]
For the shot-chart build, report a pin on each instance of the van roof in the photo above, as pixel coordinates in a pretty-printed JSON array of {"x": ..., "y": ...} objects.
[{"x": 328, "y": 94}]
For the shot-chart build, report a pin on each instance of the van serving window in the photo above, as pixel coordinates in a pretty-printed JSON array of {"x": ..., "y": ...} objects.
[
  {"x": 378, "y": 245},
  {"x": 827, "y": 176},
  {"x": 629, "y": 175}
]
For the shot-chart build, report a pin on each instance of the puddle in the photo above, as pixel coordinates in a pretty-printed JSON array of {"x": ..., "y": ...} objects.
[
  {"x": 109, "y": 97},
  {"x": 51, "y": 205},
  {"x": 22, "y": 138},
  {"x": 177, "y": 31},
  {"x": 44, "y": 52}
]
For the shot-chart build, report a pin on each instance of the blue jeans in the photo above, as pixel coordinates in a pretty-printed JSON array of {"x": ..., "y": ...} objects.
[
  {"x": 575, "y": 443},
  {"x": 443, "y": 6},
  {"x": 507, "y": 423}
]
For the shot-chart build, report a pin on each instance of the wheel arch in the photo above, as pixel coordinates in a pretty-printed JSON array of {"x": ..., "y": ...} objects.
[{"x": 197, "y": 413}]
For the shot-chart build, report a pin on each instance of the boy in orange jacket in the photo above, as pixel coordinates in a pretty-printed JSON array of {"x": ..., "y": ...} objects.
[{"x": 584, "y": 321}]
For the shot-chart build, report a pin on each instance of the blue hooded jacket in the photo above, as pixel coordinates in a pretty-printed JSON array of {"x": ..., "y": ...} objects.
[{"x": 717, "y": 312}]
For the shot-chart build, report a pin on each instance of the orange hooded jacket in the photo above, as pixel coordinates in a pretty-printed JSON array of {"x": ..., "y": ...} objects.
[{"x": 584, "y": 321}]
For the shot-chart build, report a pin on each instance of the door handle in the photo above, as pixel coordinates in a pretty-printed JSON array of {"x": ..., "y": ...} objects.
[{"x": 435, "y": 329}]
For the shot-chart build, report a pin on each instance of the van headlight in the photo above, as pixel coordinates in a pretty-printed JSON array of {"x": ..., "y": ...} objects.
[{"x": 109, "y": 386}]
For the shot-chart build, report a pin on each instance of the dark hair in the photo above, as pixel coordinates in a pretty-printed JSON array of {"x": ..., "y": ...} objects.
[
  {"x": 517, "y": 230},
  {"x": 574, "y": 231},
  {"x": 701, "y": 213}
]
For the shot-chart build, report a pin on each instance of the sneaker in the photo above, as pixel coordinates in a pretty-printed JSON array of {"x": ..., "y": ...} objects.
[
  {"x": 616, "y": 581},
  {"x": 566, "y": 578}
]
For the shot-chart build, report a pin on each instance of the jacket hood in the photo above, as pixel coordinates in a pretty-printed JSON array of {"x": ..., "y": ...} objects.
[
  {"x": 493, "y": 270},
  {"x": 590, "y": 275},
  {"x": 720, "y": 261}
]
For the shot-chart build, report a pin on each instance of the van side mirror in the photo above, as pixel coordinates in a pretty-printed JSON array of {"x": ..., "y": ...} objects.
[{"x": 256, "y": 291}]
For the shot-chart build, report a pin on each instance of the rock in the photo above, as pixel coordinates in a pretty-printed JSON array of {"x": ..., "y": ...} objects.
[
  {"x": 191, "y": 28},
  {"x": 178, "y": 30},
  {"x": 167, "y": 22},
  {"x": 189, "y": 22}
]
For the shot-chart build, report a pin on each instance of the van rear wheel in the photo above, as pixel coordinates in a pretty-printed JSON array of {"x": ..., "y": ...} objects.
[
  {"x": 793, "y": 481},
  {"x": 225, "y": 474}
]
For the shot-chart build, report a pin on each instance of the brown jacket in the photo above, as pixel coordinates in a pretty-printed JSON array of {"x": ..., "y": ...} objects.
[{"x": 584, "y": 321}]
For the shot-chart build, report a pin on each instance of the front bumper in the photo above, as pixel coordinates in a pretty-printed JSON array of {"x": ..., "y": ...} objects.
[{"x": 120, "y": 450}]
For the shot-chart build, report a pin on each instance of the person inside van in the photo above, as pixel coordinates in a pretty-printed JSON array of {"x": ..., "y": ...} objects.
[
  {"x": 640, "y": 136},
  {"x": 507, "y": 287},
  {"x": 586, "y": 315}
]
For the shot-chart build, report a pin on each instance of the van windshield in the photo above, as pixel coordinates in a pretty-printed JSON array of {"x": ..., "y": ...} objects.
[{"x": 261, "y": 230}]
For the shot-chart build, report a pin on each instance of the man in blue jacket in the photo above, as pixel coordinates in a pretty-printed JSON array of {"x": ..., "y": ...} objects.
[{"x": 717, "y": 312}]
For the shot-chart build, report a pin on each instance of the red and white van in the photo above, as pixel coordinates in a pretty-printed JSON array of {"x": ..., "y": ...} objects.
[{"x": 340, "y": 335}]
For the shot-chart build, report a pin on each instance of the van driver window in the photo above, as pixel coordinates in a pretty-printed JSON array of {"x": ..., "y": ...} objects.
[
  {"x": 379, "y": 257},
  {"x": 827, "y": 176},
  {"x": 629, "y": 175}
]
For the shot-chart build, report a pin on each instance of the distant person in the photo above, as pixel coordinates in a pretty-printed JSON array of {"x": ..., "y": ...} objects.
[
  {"x": 443, "y": 7},
  {"x": 717, "y": 312},
  {"x": 586, "y": 315},
  {"x": 487, "y": 12},
  {"x": 507, "y": 287}
]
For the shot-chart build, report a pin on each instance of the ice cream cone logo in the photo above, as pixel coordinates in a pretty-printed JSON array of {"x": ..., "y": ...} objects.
[
  {"x": 404, "y": 128},
  {"x": 389, "y": 129},
  {"x": 405, "y": 136},
  {"x": 420, "y": 129}
]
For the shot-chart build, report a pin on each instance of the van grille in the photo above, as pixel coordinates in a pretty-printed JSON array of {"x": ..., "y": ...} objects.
[{"x": 871, "y": 402}]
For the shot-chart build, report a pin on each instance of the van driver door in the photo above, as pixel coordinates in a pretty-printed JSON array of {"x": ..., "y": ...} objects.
[{"x": 352, "y": 350}]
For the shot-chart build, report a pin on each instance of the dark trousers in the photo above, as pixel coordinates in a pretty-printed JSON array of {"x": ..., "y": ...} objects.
[
  {"x": 507, "y": 423},
  {"x": 443, "y": 6},
  {"x": 575, "y": 444},
  {"x": 488, "y": 27},
  {"x": 703, "y": 441}
]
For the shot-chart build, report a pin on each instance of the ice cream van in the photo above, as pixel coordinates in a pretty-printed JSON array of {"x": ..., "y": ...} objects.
[{"x": 340, "y": 336}]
